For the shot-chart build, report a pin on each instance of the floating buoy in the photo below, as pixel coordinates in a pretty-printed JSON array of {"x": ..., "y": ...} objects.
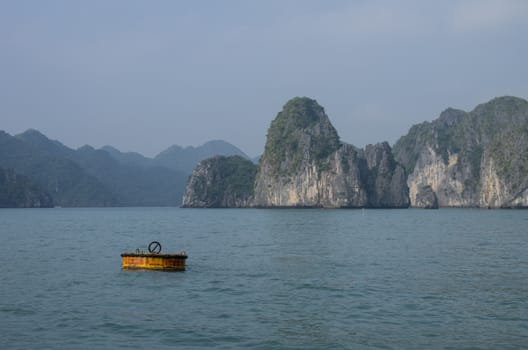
[{"x": 153, "y": 259}]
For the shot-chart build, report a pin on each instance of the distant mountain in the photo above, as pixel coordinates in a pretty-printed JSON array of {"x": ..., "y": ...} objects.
[
  {"x": 130, "y": 158},
  {"x": 47, "y": 164},
  {"x": 135, "y": 185},
  {"x": 134, "y": 181},
  {"x": 185, "y": 159},
  {"x": 42, "y": 143},
  {"x": 17, "y": 191},
  {"x": 107, "y": 176}
]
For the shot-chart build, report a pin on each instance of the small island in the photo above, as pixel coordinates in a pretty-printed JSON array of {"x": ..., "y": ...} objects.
[{"x": 461, "y": 159}]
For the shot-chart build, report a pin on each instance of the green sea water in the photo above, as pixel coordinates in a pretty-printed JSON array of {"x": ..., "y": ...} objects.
[{"x": 265, "y": 279}]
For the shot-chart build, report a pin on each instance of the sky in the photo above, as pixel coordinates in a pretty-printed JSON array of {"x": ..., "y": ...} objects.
[{"x": 144, "y": 75}]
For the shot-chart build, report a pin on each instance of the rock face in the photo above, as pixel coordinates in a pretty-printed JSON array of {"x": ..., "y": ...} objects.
[
  {"x": 305, "y": 165},
  {"x": 386, "y": 179},
  {"x": 461, "y": 159},
  {"x": 220, "y": 182},
  {"x": 17, "y": 191},
  {"x": 475, "y": 159},
  {"x": 426, "y": 198}
]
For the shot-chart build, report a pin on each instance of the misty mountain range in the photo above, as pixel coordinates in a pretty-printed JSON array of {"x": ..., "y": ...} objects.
[{"x": 100, "y": 177}]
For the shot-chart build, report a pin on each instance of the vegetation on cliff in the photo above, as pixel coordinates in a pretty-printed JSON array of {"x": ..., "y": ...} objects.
[
  {"x": 505, "y": 121},
  {"x": 495, "y": 124},
  {"x": 301, "y": 131},
  {"x": 221, "y": 182},
  {"x": 495, "y": 131},
  {"x": 304, "y": 165}
]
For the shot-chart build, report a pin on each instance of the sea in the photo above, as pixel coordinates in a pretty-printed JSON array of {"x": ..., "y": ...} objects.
[{"x": 265, "y": 279}]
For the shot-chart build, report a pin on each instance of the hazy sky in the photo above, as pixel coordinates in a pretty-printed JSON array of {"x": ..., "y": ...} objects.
[{"x": 143, "y": 75}]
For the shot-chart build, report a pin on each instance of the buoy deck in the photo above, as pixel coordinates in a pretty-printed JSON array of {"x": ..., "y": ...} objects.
[{"x": 153, "y": 261}]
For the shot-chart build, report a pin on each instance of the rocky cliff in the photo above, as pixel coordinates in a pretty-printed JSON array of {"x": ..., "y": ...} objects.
[
  {"x": 220, "y": 182},
  {"x": 475, "y": 159},
  {"x": 305, "y": 165},
  {"x": 461, "y": 159}
]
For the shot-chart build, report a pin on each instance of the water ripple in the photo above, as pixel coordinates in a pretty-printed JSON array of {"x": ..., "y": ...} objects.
[{"x": 266, "y": 279}]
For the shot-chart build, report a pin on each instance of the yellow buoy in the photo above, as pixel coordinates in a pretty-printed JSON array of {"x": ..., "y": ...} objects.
[{"x": 153, "y": 260}]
